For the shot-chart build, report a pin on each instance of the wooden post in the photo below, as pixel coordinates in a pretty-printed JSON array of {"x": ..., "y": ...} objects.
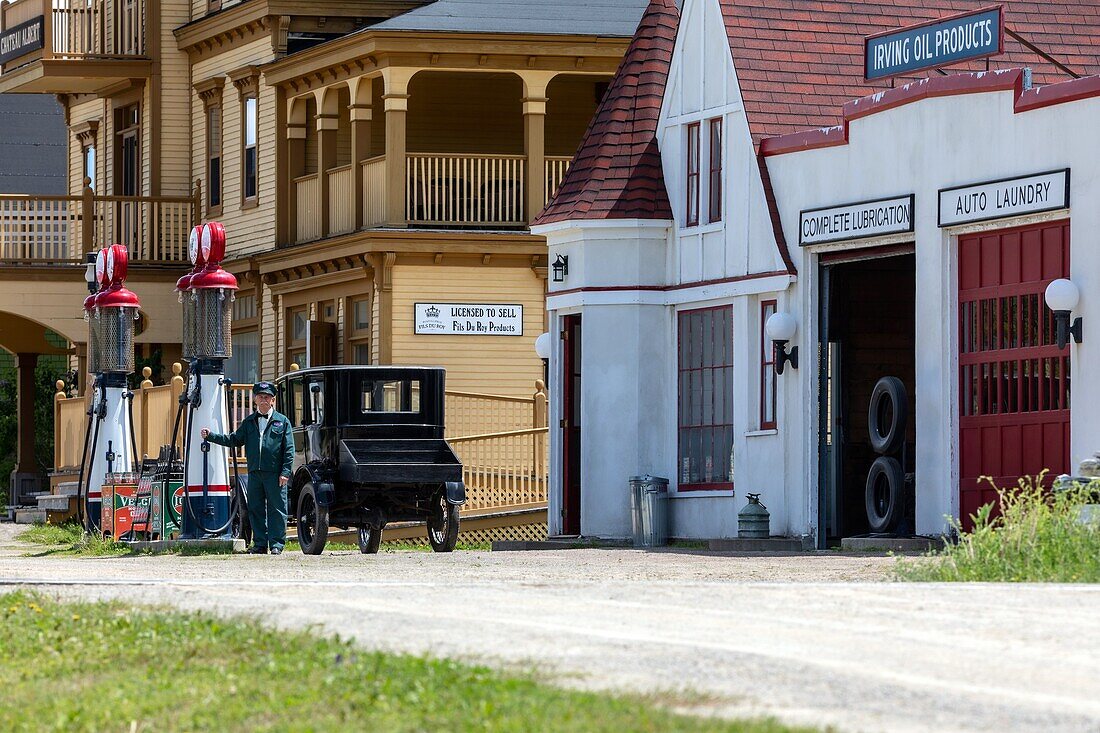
[
  {"x": 326, "y": 159},
  {"x": 87, "y": 218},
  {"x": 57, "y": 449},
  {"x": 396, "y": 104},
  {"x": 177, "y": 389},
  {"x": 143, "y": 410},
  {"x": 360, "y": 149},
  {"x": 535, "y": 84},
  {"x": 196, "y": 206},
  {"x": 540, "y": 421}
]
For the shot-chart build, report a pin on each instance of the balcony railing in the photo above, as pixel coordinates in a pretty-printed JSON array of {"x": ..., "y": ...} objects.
[
  {"x": 49, "y": 229},
  {"x": 482, "y": 190},
  {"x": 84, "y": 29},
  {"x": 441, "y": 190},
  {"x": 556, "y": 168}
]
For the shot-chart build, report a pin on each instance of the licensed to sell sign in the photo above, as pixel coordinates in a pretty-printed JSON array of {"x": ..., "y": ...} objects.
[
  {"x": 1031, "y": 194},
  {"x": 856, "y": 221},
  {"x": 21, "y": 39},
  {"x": 934, "y": 44},
  {"x": 469, "y": 319}
]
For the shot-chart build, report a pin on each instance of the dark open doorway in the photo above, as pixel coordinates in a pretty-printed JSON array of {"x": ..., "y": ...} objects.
[
  {"x": 868, "y": 331},
  {"x": 571, "y": 426}
]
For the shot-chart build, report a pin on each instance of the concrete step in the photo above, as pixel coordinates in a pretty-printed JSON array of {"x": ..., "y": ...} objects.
[
  {"x": 68, "y": 488},
  {"x": 54, "y": 503},
  {"x": 30, "y": 516}
]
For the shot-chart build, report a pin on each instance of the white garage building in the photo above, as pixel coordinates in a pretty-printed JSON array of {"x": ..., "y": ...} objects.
[{"x": 737, "y": 168}]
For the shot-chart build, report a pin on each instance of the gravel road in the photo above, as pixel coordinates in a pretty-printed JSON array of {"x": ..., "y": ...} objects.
[{"x": 818, "y": 639}]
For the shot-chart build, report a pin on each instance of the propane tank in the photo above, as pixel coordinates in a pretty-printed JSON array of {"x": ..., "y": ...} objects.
[
  {"x": 753, "y": 521},
  {"x": 207, "y": 295},
  {"x": 111, "y": 314}
]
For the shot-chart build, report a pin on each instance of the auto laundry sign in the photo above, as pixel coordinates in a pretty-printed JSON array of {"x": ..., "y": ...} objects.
[
  {"x": 1000, "y": 199},
  {"x": 856, "y": 221},
  {"x": 464, "y": 319},
  {"x": 21, "y": 39},
  {"x": 937, "y": 43}
]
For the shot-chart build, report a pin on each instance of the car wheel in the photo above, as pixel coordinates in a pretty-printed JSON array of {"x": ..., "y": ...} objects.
[
  {"x": 241, "y": 528},
  {"x": 370, "y": 539},
  {"x": 312, "y": 522},
  {"x": 443, "y": 524}
]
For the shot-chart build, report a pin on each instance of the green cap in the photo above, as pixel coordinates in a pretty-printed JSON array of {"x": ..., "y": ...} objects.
[{"x": 263, "y": 388}]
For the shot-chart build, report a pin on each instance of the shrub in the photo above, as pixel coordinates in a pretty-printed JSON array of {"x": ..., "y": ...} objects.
[{"x": 1036, "y": 538}]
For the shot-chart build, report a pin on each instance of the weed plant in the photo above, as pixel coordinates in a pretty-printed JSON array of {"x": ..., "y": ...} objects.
[{"x": 1038, "y": 537}]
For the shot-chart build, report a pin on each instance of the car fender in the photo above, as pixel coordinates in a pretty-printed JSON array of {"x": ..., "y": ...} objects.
[
  {"x": 456, "y": 492},
  {"x": 321, "y": 479}
]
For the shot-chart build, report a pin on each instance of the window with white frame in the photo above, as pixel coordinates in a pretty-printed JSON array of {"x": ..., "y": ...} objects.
[
  {"x": 768, "y": 378},
  {"x": 691, "y": 217},
  {"x": 705, "y": 394},
  {"x": 714, "y": 180}
]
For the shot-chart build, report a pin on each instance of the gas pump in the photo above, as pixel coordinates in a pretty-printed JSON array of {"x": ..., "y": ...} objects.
[
  {"x": 207, "y": 294},
  {"x": 109, "y": 441}
]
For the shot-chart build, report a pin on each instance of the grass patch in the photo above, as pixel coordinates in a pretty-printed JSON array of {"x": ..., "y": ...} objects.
[
  {"x": 70, "y": 540},
  {"x": 1037, "y": 538},
  {"x": 100, "y": 667}
]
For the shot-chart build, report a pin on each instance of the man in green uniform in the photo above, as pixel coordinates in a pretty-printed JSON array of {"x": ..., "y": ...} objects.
[{"x": 269, "y": 448}]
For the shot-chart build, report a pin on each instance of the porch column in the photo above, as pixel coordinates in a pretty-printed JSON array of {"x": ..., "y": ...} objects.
[
  {"x": 296, "y": 167},
  {"x": 361, "y": 115},
  {"x": 534, "y": 139},
  {"x": 396, "y": 105},
  {"x": 327, "y": 124},
  {"x": 24, "y": 477}
]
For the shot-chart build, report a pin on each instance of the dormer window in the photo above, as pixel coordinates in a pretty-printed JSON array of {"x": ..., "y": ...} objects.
[{"x": 692, "y": 217}]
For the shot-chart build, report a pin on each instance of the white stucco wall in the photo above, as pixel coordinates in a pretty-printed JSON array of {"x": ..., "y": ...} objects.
[{"x": 919, "y": 148}]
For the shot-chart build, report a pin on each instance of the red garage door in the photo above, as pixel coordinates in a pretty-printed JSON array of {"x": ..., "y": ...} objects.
[{"x": 1014, "y": 380}]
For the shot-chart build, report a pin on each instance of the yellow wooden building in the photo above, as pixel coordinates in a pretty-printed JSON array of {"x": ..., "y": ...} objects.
[{"x": 370, "y": 159}]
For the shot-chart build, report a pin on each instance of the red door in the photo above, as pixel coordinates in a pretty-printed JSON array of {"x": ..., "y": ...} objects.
[
  {"x": 571, "y": 426},
  {"x": 1014, "y": 381}
]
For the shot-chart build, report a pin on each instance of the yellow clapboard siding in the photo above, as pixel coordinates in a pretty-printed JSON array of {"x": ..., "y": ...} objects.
[{"x": 495, "y": 364}]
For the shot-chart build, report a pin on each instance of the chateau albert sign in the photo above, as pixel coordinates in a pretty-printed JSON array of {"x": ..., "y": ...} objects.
[
  {"x": 21, "y": 39},
  {"x": 856, "y": 221},
  {"x": 465, "y": 319},
  {"x": 933, "y": 44},
  {"x": 1032, "y": 194}
]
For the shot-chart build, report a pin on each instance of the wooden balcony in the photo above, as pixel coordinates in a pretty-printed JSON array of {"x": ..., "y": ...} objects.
[
  {"x": 42, "y": 230},
  {"x": 441, "y": 191},
  {"x": 74, "y": 46}
]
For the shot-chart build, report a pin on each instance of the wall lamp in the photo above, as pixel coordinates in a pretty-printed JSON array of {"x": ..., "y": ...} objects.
[
  {"x": 89, "y": 272},
  {"x": 561, "y": 268},
  {"x": 1062, "y": 296},
  {"x": 781, "y": 328}
]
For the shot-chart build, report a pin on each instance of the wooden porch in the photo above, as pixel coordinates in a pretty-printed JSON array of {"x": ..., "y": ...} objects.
[{"x": 60, "y": 229}]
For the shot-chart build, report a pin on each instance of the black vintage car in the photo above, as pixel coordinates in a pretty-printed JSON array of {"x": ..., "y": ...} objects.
[{"x": 370, "y": 450}]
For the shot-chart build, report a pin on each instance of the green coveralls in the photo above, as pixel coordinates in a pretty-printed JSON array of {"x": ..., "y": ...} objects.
[{"x": 267, "y": 461}]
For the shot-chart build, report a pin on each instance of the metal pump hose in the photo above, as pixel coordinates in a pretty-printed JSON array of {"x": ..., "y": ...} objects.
[
  {"x": 205, "y": 471},
  {"x": 96, "y": 412}
]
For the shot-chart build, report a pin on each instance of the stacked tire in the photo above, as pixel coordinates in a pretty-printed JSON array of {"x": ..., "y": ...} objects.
[{"x": 886, "y": 492}]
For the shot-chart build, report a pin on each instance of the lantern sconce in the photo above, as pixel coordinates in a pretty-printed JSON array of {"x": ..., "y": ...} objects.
[
  {"x": 1061, "y": 297},
  {"x": 89, "y": 272},
  {"x": 561, "y": 268},
  {"x": 781, "y": 328}
]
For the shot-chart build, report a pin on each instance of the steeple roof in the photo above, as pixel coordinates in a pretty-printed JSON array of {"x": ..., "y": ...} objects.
[{"x": 616, "y": 173}]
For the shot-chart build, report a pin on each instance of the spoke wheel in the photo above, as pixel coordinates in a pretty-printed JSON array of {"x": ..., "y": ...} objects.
[
  {"x": 370, "y": 539},
  {"x": 312, "y": 522},
  {"x": 443, "y": 524}
]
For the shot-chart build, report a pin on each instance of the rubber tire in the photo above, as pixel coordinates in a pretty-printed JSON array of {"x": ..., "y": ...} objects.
[
  {"x": 888, "y": 392},
  {"x": 884, "y": 516},
  {"x": 370, "y": 539},
  {"x": 443, "y": 525},
  {"x": 241, "y": 528},
  {"x": 312, "y": 541}
]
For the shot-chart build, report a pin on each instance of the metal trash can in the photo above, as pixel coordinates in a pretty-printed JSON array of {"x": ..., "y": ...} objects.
[{"x": 649, "y": 510}]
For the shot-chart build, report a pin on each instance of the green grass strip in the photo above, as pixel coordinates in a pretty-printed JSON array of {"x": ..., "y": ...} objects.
[{"x": 109, "y": 667}]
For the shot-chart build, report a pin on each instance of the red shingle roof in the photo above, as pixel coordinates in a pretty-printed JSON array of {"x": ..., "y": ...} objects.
[
  {"x": 616, "y": 173},
  {"x": 799, "y": 61}
]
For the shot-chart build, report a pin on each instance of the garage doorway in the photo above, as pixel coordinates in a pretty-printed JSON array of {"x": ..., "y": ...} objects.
[
  {"x": 867, "y": 315},
  {"x": 1014, "y": 381}
]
